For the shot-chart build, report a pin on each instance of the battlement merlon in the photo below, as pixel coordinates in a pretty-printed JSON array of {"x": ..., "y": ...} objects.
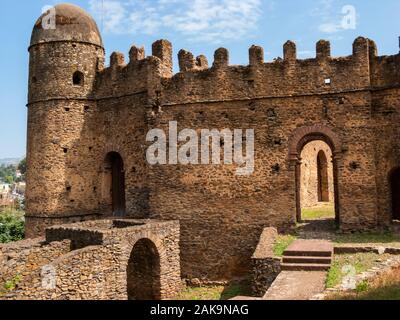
[{"x": 280, "y": 77}]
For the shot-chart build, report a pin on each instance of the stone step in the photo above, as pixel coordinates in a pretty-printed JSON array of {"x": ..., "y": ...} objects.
[
  {"x": 307, "y": 259},
  {"x": 304, "y": 267},
  {"x": 289, "y": 253},
  {"x": 309, "y": 248}
]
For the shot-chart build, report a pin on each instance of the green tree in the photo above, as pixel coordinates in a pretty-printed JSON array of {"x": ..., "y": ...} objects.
[
  {"x": 22, "y": 166},
  {"x": 9, "y": 179},
  {"x": 11, "y": 227}
]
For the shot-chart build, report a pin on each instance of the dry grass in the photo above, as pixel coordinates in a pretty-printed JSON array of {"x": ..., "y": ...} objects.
[
  {"x": 213, "y": 293},
  {"x": 384, "y": 287},
  {"x": 322, "y": 211},
  {"x": 360, "y": 262}
]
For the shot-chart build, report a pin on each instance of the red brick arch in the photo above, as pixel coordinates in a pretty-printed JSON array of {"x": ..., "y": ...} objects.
[{"x": 304, "y": 135}]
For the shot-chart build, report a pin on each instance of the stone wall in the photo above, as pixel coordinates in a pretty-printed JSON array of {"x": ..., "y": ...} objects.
[
  {"x": 98, "y": 270},
  {"x": 266, "y": 266},
  {"x": 22, "y": 258},
  {"x": 276, "y": 99}
]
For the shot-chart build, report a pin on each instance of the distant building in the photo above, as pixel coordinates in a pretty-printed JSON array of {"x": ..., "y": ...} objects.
[
  {"x": 18, "y": 174},
  {"x": 20, "y": 188},
  {"x": 5, "y": 188}
]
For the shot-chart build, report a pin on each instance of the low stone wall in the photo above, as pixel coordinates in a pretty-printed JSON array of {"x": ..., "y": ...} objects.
[
  {"x": 366, "y": 249},
  {"x": 100, "y": 271},
  {"x": 24, "y": 257},
  {"x": 266, "y": 267}
]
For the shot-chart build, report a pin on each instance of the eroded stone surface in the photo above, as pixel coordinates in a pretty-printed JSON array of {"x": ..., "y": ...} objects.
[{"x": 292, "y": 285}]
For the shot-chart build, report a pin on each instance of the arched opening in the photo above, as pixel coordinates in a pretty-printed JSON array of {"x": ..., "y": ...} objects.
[
  {"x": 323, "y": 177},
  {"x": 114, "y": 183},
  {"x": 143, "y": 272},
  {"x": 395, "y": 189},
  {"x": 316, "y": 182},
  {"x": 316, "y": 173},
  {"x": 78, "y": 78}
]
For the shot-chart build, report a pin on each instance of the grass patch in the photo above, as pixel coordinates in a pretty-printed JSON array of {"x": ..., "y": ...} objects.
[
  {"x": 387, "y": 238},
  {"x": 360, "y": 262},
  {"x": 215, "y": 293},
  {"x": 282, "y": 243},
  {"x": 384, "y": 287},
  {"x": 320, "y": 212}
]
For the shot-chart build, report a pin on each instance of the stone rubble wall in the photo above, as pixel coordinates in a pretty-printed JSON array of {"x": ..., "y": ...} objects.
[
  {"x": 266, "y": 267},
  {"x": 24, "y": 257},
  {"x": 71, "y": 130},
  {"x": 100, "y": 272}
]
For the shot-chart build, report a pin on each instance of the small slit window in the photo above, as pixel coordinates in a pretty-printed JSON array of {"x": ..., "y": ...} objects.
[{"x": 78, "y": 78}]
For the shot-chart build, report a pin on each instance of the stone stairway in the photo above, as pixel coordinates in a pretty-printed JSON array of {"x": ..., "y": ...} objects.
[
  {"x": 304, "y": 268},
  {"x": 308, "y": 255}
]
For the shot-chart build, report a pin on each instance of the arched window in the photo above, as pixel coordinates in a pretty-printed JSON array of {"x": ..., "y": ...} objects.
[{"x": 78, "y": 78}]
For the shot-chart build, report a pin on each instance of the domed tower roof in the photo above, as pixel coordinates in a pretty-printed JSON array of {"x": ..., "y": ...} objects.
[{"x": 72, "y": 24}]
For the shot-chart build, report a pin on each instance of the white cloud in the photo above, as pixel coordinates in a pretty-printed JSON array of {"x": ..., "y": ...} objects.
[
  {"x": 334, "y": 19},
  {"x": 330, "y": 27},
  {"x": 199, "y": 20}
]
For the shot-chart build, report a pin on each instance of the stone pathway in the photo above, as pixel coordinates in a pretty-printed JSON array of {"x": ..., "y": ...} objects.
[
  {"x": 305, "y": 265},
  {"x": 296, "y": 285}
]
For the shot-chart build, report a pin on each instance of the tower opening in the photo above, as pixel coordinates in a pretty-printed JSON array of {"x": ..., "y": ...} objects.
[
  {"x": 115, "y": 183},
  {"x": 78, "y": 79},
  {"x": 143, "y": 272}
]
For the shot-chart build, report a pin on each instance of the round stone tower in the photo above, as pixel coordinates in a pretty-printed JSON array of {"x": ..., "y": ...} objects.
[{"x": 66, "y": 52}]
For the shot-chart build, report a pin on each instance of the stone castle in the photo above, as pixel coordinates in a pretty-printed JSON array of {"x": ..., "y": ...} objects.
[{"x": 87, "y": 127}]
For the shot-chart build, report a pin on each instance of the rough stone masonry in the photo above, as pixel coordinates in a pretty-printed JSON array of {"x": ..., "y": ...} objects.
[{"x": 87, "y": 127}]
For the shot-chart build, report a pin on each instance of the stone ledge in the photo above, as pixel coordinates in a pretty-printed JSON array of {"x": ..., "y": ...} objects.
[
  {"x": 366, "y": 249},
  {"x": 266, "y": 266}
]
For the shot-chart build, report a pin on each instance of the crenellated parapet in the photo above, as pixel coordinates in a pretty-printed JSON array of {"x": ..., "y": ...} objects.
[
  {"x": 187, "y": 62},
  {"x": 197, "y": 80}
]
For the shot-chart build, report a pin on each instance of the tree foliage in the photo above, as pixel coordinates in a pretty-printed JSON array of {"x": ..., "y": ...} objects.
[
  {"x": 12, "y": 226},
  {"x": 22, "y": 166}
]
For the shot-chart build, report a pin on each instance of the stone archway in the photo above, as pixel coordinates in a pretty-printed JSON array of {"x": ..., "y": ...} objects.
[
  {"x": 395, "y": 191},
  {"x": 301, "y": 137},
  {"x": 144, "y": 272}
]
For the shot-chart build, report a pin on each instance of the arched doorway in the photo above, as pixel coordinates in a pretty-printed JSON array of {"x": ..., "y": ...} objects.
[
  {"x": 395, "y": 188},
  {"x": 143, "y": 272},
  {"x": 114, "y": 180},
  {"x": 323, "y": 177},
  {"x": 299, "y": 140}
]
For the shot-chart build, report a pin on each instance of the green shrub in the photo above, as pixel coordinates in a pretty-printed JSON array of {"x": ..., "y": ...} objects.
[
  {"x": 11, "y": 284},
  {"x": 363, "y": 286},
  {"x": 12, "y": 226}
]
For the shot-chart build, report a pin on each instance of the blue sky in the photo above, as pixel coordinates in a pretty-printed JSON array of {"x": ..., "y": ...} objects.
[{"x": 200, "y": 26}]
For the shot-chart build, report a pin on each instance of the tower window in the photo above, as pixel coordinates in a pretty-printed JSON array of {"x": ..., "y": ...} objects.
[{"x": 77, "y": 78}]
